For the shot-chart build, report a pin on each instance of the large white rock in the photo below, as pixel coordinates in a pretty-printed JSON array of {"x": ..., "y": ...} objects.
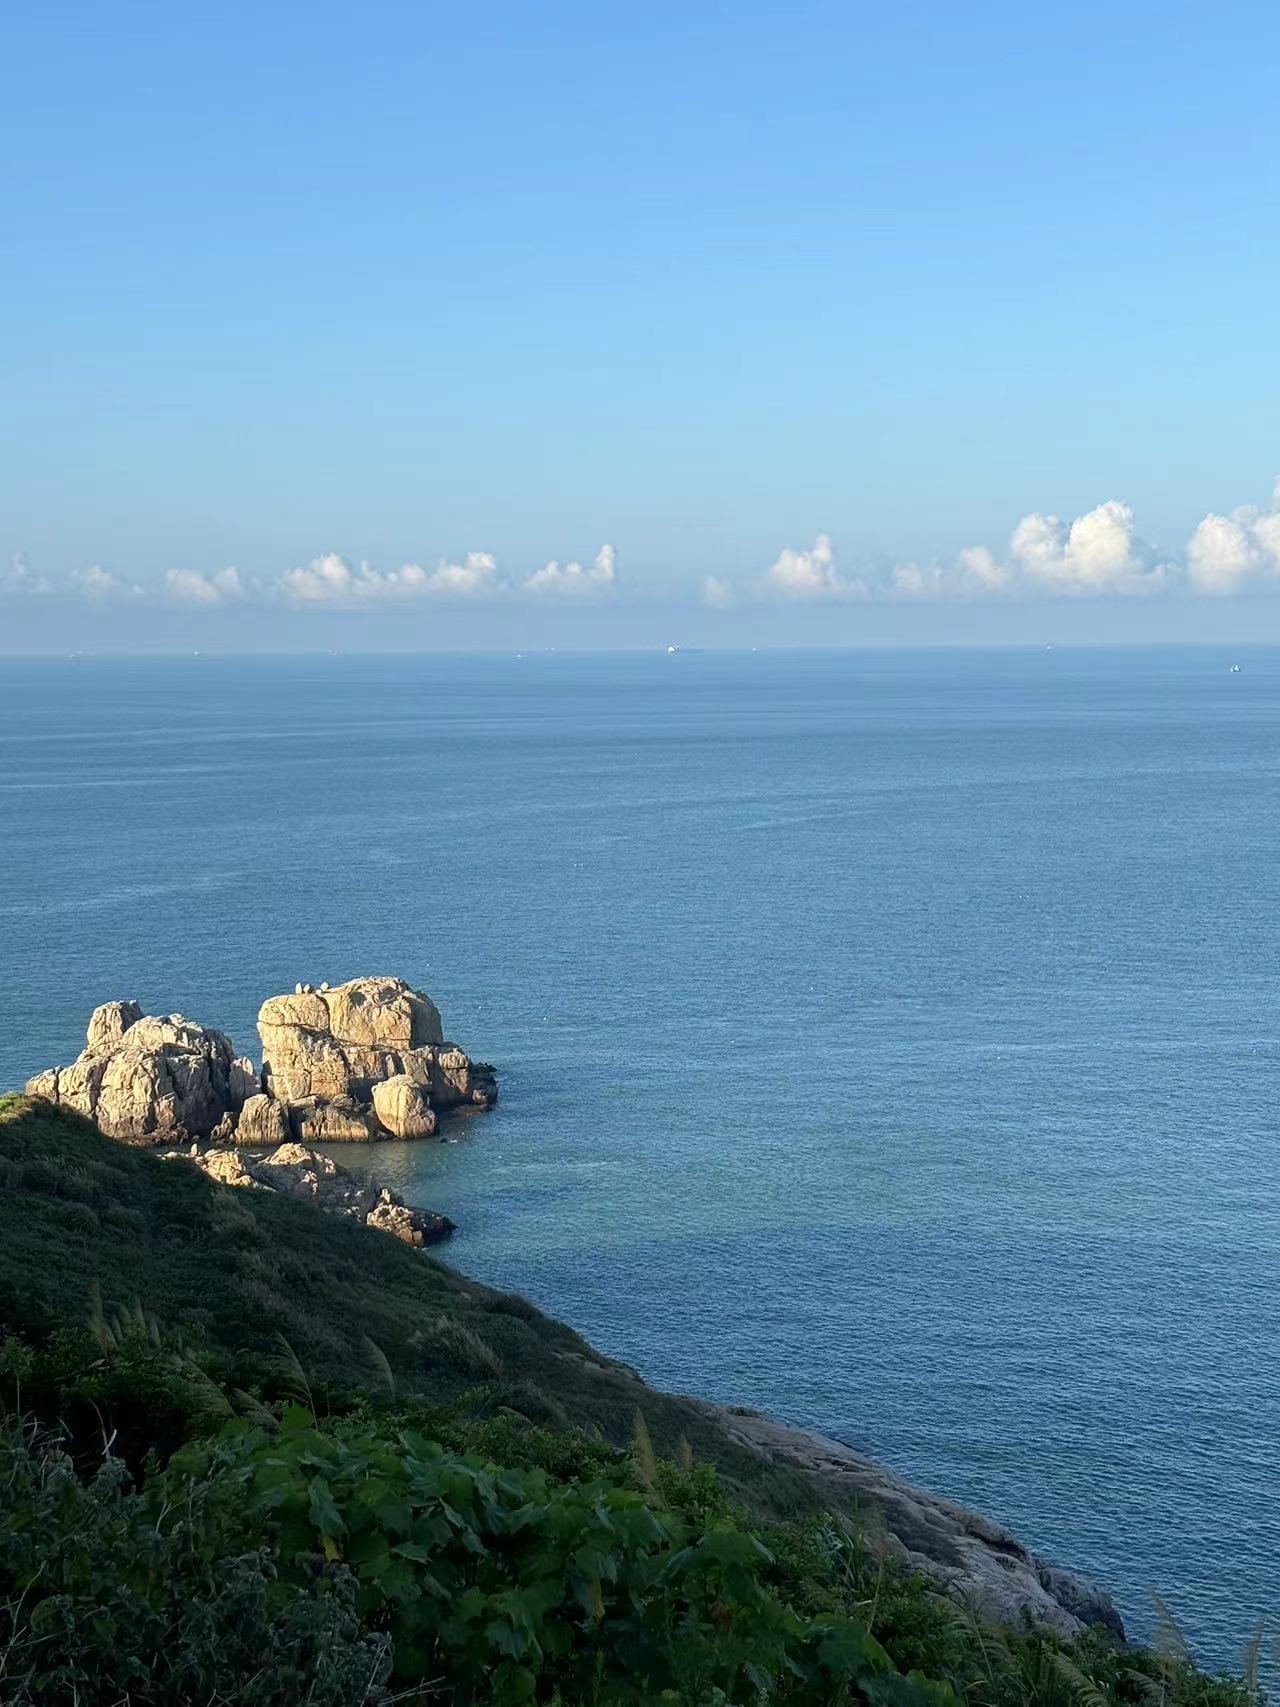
[{"x": 338, "y": 1046}]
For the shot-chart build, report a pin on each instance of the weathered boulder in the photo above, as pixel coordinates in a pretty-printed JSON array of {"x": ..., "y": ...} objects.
[
  {"x": 382, "y": 1012},
  {"x": 400, "y": 1106},
  {"x": 146, "y": 1080},
  {"x": 299, "y": 1172},
  {"x": 262, "y": 1123},
  {"x": 298, "y": 1064},
  {"x": 450, "y": 1078},
  {"x": 342, "y": 1121},
  {"x": 246, "y": 1081},
  {"x": 225, "y": 1166},
  {"x": 342, "y": 1046},
  {"x": 411, "y": 1226}
]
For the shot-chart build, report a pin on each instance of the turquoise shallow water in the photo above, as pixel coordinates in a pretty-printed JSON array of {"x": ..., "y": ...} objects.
[{"x": 886, "y": 1040}]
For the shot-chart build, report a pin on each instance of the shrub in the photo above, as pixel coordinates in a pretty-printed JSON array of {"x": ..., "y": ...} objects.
[{"x": 108, "y": 1596}]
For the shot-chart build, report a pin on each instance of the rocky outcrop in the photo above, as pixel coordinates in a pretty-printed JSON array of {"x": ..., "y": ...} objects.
[
  {"x": 150, "y": 1080},
  {"x": 364, "y": 1060},
  {"x": 299, "y": 1172},
  {"x": 974, "y": 1560}
]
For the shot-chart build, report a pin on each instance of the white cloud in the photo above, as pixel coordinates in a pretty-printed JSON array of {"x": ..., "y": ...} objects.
[
  {"x": 812, "y": 574},
  {"x": 1100, "y": 552},
  {"x": 911, "y": 581},
  {"x": 190, "y": 587},
  {"x": 975, "y": 574},
  {"x": 980, "y": 571},
  {"x": 100, "y": 584},
  {"x": 332, "y": 580},
  {"x": 21, "y": 578},
  {"x": 476, "y": 577},
  {"x": 572, "y": 580},
  {"x": 325, "y": 580},
  {"x": 1226, "y": 552}
]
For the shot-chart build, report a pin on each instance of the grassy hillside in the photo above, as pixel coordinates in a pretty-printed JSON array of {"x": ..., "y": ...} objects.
[
  {"x": 262, "y": 1290},
  {"x": 253, "y": 1453}
]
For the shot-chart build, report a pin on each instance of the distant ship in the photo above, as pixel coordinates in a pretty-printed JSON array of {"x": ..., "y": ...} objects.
[
  {"x": 1234, "y": 670},
  {"x": 672, "y": 650}
]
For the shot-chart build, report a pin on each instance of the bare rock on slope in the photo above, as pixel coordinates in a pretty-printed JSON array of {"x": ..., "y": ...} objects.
[
  {"x": 974, "y": 1560},
  {"x": 296, "y": 1171}
]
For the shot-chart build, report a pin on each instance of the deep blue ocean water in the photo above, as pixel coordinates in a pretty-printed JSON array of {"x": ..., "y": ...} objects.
[{"x": 889, "y": 1041}]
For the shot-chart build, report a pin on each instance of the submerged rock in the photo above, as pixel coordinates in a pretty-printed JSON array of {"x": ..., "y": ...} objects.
[{"x": 297, "y": 1171}]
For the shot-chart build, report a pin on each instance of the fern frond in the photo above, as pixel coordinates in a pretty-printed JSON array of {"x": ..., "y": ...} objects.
[{"x": 1082, "y": 1687}]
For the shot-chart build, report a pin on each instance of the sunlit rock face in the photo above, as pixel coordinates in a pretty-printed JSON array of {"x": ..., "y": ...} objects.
[
  {"x": 148, "y": 1080},
  {"x": 364, "y": 1060},
  {"x": 374, "y": 1046}
]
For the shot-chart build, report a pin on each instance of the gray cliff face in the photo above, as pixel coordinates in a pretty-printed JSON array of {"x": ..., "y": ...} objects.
[
  {"x": 365, "y": 1060},
  {"x": 975, "y": 1561}
]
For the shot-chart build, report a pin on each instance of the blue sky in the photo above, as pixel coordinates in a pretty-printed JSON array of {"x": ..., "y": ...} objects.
[{"x": 323, "y": 295}]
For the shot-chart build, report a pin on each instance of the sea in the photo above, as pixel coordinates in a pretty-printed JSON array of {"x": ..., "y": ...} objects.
[{"x": 887, "y": 1040}]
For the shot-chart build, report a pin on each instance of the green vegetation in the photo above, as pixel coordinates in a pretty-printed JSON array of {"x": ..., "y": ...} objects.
[{"x": 251, "y": 1454}]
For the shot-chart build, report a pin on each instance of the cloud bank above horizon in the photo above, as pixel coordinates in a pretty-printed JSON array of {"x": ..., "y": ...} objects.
[
  {"x": 1101, "y": 553},
  {"x": 329, "y": 581}
]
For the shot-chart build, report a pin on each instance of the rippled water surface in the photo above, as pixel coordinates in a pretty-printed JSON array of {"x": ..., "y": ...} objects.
[{"x": 888, "y": 1041}]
